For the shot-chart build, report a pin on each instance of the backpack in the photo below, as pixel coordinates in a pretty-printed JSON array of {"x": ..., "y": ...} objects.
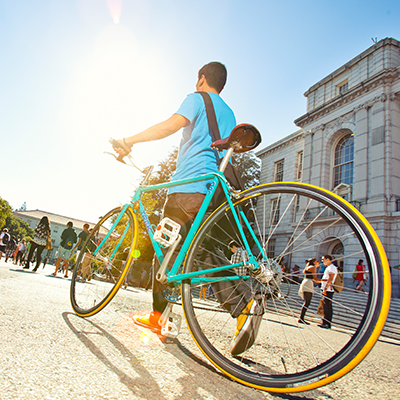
[
  {"x": 69, "y": 241},
  {"x": 6, "y": 238},
  {"x": 338, "y": 285}
]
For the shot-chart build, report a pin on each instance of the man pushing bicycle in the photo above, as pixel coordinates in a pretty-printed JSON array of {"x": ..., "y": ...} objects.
[{"x": 196, "y": 158}]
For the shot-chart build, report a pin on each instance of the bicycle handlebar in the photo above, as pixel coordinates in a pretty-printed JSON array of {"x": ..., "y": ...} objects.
[
  {"x": 117, "y": 145},
  {"x": 147, "y": 171}
]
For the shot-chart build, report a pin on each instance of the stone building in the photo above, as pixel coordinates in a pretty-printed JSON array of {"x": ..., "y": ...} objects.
[{"x": 349, "y": 143}]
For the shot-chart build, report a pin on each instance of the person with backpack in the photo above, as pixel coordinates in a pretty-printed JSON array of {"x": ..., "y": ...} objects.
[
  {"x": 68, "y": 238},
  {"x": 42, "y": 232},
  {"x": 4, "y": 238}
]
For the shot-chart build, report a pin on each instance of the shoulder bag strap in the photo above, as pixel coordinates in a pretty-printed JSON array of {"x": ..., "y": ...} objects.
[{"x": 212, "y": 120}]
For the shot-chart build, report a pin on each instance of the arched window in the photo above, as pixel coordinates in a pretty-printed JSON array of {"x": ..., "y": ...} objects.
[{"x": 344, "y": 157}]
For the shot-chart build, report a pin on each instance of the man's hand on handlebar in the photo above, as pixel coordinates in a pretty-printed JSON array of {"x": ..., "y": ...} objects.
[{"x": 121, "y": 147}]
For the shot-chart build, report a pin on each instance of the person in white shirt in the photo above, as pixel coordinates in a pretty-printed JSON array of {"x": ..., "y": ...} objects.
[{"x": 327, "y": 290}]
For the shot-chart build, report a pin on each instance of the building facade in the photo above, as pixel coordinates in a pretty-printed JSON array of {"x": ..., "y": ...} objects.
[{"x": 349, "y": 143}]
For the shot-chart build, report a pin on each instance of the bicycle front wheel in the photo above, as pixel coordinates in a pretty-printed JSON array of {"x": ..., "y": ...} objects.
[
  {"x": 104, "y": 262},
  {"x": 286, "y": 222}
]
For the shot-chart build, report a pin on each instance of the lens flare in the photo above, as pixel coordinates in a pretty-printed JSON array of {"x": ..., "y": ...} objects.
[
  {"x": 145, "y": 338},
  {"x": 136, "y": 253},
  {"x": 115, "y": 7}
]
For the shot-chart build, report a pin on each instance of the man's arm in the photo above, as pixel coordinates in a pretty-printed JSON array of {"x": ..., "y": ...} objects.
[{"x": 155, "y": 132}]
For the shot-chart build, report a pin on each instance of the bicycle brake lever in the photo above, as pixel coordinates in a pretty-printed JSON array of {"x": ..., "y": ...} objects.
[{"x": 119, "y": 158}]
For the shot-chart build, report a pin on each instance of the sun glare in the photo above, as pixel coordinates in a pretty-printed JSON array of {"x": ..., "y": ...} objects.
[{"x": 115, "y": 7}]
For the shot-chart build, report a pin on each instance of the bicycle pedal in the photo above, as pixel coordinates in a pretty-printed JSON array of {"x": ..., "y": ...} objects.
[
  {"x": 172, "y": 327},
  {"x": 167, "y": 232}
]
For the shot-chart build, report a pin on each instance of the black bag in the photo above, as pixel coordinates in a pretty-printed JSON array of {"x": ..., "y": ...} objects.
[
  {"x": 6, "y": 238},
  {"x": 231, "y": 173}
]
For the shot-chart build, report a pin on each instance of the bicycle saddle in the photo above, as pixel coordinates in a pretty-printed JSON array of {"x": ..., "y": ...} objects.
[{"x": 244, "y": 137}]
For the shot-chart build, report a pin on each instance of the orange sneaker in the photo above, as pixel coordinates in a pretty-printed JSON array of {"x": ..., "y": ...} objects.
[{"x": 149, "y": 321}]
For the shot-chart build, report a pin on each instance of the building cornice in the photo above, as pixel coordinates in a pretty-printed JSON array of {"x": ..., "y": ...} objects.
[
  {"x": 385, "y": 77},
  {"x": 352, "y": 62},
  {"x": 280, "y": 144}
]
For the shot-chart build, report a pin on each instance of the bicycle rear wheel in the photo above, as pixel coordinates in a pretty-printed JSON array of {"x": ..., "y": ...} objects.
[
  {"x": 290, "y": 222},
  {"x": 104, "y": 262}
]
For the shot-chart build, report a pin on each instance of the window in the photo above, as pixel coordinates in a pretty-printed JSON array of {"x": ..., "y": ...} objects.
[
  {"x": 271, "y": 248},
  {"x": 343, "y": 164},
  {"x": 275, "y": 211},
  {"x": 299, "y": 173},
  {"x": 343, "y": 87},
  {"x": 279, "y": 171}
]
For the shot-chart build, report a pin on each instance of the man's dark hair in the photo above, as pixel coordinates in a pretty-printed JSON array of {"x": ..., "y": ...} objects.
[
  {"x": 328, "y": 256},
  {"x": 215, "y": 74},
  {"x": 70, "y": 224}
]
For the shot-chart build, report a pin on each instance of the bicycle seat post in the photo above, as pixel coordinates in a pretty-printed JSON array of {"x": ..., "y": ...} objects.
[{"x": 226, "y": 159}]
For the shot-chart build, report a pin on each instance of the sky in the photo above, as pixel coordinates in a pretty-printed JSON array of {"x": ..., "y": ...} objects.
[{"x": 75, "y": 73}]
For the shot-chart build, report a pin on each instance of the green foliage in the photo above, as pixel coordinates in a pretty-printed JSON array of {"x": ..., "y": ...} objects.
[
  {"x": 249, "y": 167},
  {"x": 5, "y": 211},
  {"x": 16, "y": 226},
  {"x": 19, "y": 228}
]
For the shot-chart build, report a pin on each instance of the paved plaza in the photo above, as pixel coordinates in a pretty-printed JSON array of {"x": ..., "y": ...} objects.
[{"x": 49, "y": 353}]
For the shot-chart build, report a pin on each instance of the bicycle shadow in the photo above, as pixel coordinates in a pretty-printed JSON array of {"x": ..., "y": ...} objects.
[
  {"x": 182, "y": 353},
  {"x": 142, "y": 386}
]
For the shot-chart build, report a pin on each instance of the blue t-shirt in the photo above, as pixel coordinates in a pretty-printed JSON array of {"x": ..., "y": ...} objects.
[{"x": 195, "y": 156}]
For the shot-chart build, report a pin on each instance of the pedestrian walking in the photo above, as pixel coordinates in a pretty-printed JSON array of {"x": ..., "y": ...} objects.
[
  {"x": 360, "y": 277},
  {"x": 239, "y": 255},
  {"x": 306, "y": 289},
  {"x": 11, "y": 247},
  {"x": 21, "y": 249},
  {"x": 68, "y": 238},
  {"x": 42, "y": 233}
]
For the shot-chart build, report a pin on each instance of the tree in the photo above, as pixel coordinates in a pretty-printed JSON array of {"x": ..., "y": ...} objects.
[
  {"x": 19, "y": 228},
  {"x": 16, "y": 226},
  {"x": 5, "y": 211},
  {"x": 249, "y": 168}
]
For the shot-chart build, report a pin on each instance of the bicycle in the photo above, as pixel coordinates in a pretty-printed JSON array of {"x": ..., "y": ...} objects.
[{"x": 294, "y": 217}]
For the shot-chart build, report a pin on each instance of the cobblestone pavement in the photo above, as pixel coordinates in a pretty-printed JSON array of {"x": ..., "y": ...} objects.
[{"x": 47, "y": 352}]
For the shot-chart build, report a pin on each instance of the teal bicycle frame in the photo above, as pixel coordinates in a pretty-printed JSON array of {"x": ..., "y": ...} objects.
[{"x": 173, "y": 276}]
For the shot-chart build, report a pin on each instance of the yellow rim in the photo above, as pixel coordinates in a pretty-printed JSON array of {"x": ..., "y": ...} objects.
[
  {"x": 124, "y": 273},
  {"x": 378, "y": 327}
]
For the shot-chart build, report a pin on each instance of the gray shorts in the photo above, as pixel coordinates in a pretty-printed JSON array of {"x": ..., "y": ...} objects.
[{"x": 64, "y": 253}]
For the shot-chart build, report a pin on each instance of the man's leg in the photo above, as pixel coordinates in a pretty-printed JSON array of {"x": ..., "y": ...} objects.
[
  {"x": 57, "y": 266},
  {"x": 328, "y": 312},
  {"x": 66, "y": 266},
  {"x": 181, "y": 208}
]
